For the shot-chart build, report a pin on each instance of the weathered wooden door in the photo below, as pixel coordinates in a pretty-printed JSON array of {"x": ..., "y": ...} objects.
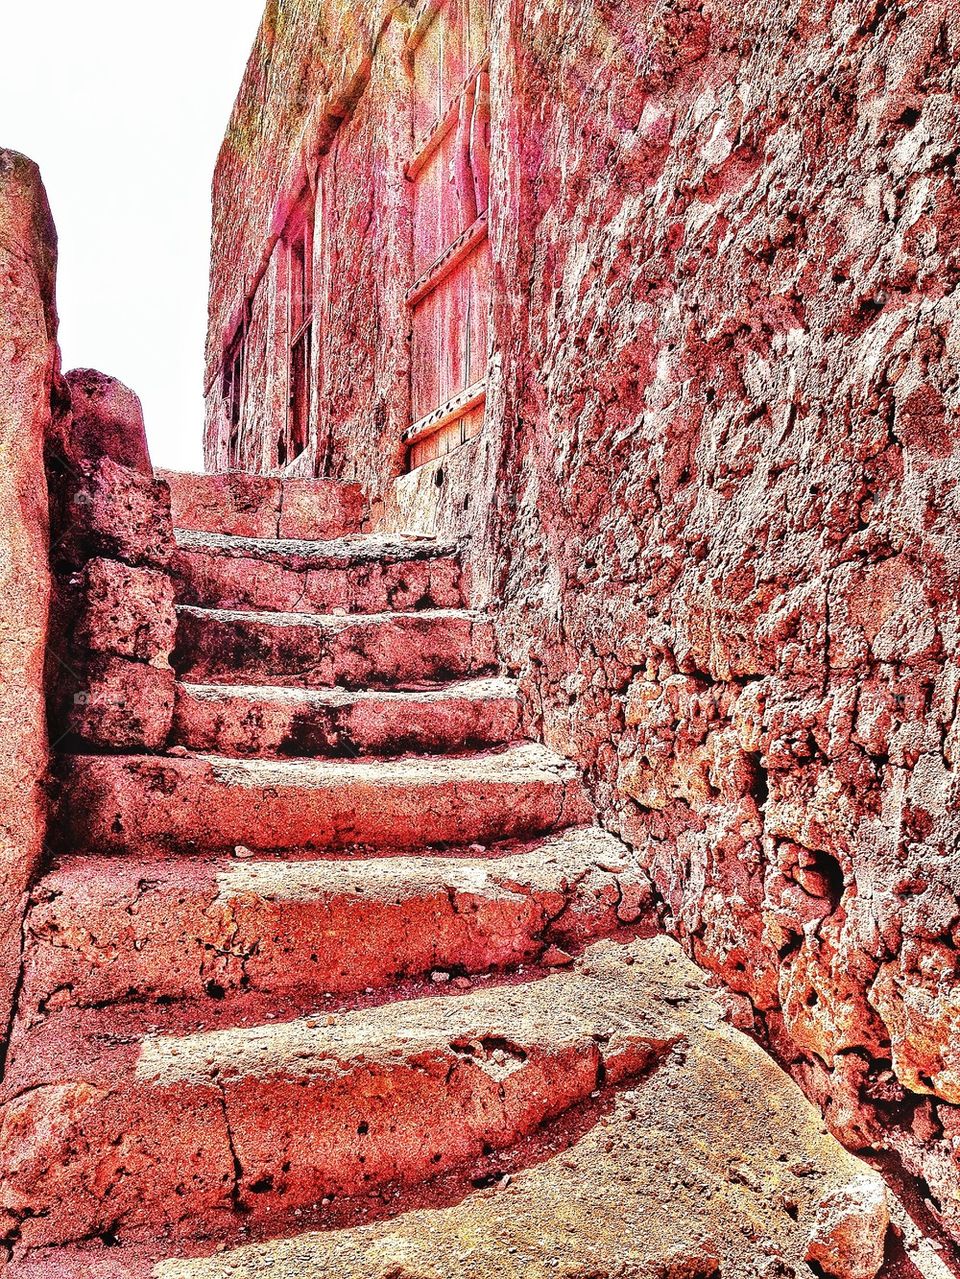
[{"x": 450, "y": 292}]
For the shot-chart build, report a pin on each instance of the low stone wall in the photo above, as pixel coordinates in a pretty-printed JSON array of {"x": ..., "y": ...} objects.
[
  {"x": 114, "y": 623},
  {"x": 29, "y": 364}
]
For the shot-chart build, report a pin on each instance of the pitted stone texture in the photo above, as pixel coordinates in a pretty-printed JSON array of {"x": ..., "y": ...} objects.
[
  {"x": 726, "y": 506},
  {"x": 378, "y": 650},
  {"x": 115, "y": 512},
  {"x": 113, "y": 703},
  {"x": 260, "y": 720},
  {"x": 386, "y": 1095},
  {"x": 101, "y": 931},
  {"x": 918, "y": 997},
  {"x": 29, "y": 368},
  {"x": 139, "y": 804},
  {"x": 363, "y": 574},
  {"x": 260, "y": 506},
  {"x": 126, "y": 612},
  {"x": 107, "y": 421}
]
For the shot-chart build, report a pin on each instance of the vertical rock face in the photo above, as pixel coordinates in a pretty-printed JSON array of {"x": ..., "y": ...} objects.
[
  {"x": 110, "y": 683},
  {"x": 722, "y": 417},
  {"x": 29, "y": 359}
]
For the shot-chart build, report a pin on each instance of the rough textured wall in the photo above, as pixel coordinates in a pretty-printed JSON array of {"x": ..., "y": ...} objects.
[
  {"x": 363, "y": 387},
  {"x": 308, "y": 64},
  {"x": 110, "y": 685},
  {"x": 732, "y": 442},
  {"x": 722, "y": 419},
  {"x": 30, "y": 365}
]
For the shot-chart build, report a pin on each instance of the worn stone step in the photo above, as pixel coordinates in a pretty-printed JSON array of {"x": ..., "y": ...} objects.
[
  {"x": 377, "y": 651},
  {"x": 369, "y": 573},
  {"x": 264, "y": 720},
  {"x": 175, "y": 1132},
  {"x": 143, "y": 804},
  {"x": 105, "y": 930},
  {"x": 695, "y": 1154},
  {"x": 245, "y": 505}
]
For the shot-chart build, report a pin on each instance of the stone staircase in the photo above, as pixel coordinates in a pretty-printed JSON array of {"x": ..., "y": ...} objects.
[{"x": 347, "y": 982}]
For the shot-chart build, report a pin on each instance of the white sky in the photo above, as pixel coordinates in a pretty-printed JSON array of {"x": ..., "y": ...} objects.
[{"x": 123, "y": 104}]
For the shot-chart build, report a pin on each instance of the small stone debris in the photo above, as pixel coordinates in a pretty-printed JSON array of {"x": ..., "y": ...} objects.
[
  {"x": 242, "y": 853},
  {"x": 556, "y": 957}
]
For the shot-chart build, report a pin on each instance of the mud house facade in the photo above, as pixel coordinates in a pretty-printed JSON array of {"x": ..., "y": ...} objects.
[{"x": 654, "y": 307}]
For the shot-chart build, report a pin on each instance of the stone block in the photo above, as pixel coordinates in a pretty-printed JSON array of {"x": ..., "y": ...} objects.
[
  {"x": 126, "y": 612},
  {"x": 120, "y": 704},
  {"x": 235, "y": 503},
  {"x": 113, "y": 511},
  {"x": 320, "y": 509},
  {"x": 107, "y": 422}
]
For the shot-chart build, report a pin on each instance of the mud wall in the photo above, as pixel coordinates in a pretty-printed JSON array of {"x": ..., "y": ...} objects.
[{"x": 722, "y": 541}]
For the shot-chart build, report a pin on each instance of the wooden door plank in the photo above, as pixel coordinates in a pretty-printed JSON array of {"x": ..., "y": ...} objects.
[{"x": 449, "y": 296}]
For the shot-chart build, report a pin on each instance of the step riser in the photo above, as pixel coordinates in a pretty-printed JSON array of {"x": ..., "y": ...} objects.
[
  {"x": 130, "y": 804},
  {"x": 243, "y": 505},
  {"x": 112, "y": 931},
  {"x": 221, "y": 581},
  {"x": 396, "y": 650},
  {"x": 245, "y": 724}
]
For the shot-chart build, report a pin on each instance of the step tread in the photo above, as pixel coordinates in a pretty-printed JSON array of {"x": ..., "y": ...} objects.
[
  {"x": 595, "y": 999},
  {"x": 482, "y": 689},
  {"x": 266, "y": 720},
  {"x": 293, "y": 553},
  {"x": 110, "y": 930},
  {"x": 521, "y": 761},
  {"x": 697, "y": 1141},
  {"x": 354, "y": 650},
  {"x": 275, "y": 1113},
  {"x": 677, "y": 1175},
  {"x": 326, "y": 621}
]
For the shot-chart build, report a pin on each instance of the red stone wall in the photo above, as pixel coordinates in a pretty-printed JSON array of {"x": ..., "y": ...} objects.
[
  {"x": 723, "y": 425},
  {"x": 110, "y": 685},
  {"x": 309, "y": 64},
  {"x": 29, "y": 380},
  {"x": 732, "y": 576}
]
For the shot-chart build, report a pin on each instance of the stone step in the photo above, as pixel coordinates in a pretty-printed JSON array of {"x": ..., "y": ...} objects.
[
  {"x": 175, "y": 1132},
  {"x": 692, "y": 1153},
  {"x": 153, "y": 804},
  {"x": 105, "y": 930},
  {"x": 369, "y": 573},
  {"x": 245, "y": 505},
  {"x": 380, "y": 650},
  {"x": 226, "y": 719}
]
